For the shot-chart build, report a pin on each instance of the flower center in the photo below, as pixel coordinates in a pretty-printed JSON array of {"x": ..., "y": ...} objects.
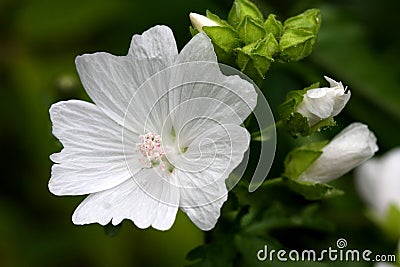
[{"x": 153, "y": 152}]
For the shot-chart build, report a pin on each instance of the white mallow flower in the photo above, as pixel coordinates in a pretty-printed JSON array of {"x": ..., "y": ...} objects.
[
  {"x": 199, "y": 21},
  {"x": 384, "y": 264},
  {"x": 163, "y": 133},
  {"x": 323, "y": 103},
  {"x": 351, "y": 147},
  {"x": 378, "y": 181}
]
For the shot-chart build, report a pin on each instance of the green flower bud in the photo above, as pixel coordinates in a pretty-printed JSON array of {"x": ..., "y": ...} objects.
[
  {"x": 309, "y": 20},
  {"x": 241, "y": 9},
  {"x": 250, "y": 30},
  {"x": 299, "y": 36},
  {"x": 274, "y": 26},
  {"x": 255, "y": 59},
  {"x": 225, "y": 41}
]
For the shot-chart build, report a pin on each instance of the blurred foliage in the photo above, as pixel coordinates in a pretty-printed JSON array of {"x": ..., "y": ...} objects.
[{"x": 39, "y": 39}]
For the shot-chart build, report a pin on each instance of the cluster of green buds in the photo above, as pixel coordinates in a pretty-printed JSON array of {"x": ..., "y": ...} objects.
[{"x": 248, "y": 41}]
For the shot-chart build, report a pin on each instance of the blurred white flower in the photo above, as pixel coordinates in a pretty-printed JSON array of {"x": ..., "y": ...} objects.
[
  {"x": 323, "y": 103},
  {"x": 384, "y": 264},
  {"x": 199, "y": 21},
  {"x": 163, "y": 133},
  {"x": 351, "y": 147},
  {"x": 378, "y": 181}
]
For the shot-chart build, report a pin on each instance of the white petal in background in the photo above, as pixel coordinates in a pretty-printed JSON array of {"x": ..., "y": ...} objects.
[
  {"x": 384, "y": 264},
  {"x": 378, "y": 181}
]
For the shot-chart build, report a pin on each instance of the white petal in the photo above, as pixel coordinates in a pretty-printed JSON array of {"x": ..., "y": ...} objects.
[
  {"x": 213, "y": 154},
  {"x": 224, "y": 100},
  {"x": 150, "y": 105},
  {"x": 202, "y": 170},
  {"x": 92, "y": 159},
  {"x": 384, "y": 264},
  {"x": 199, "y": 91},
  {"x": 205, "y": 216},
  {"x": 367, "y": 182},
  {"x": 332, "y": 82},
  {"x": 111, "y": 81},
  {"x": 391, "y": 177},
  {"x": 200, "y": 105},
  {"x": 320, "y": 102},
  {"x": 147, "y": 201},
  {"x": 199, "y": 48},
  {"x": 340, "y": 103},
  {"x": 378, "y": 181},
  {"x": 350, "y": 148}
]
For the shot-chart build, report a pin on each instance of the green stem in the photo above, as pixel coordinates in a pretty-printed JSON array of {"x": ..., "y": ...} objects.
[
  {"x": 263, "y": 135},
  {"x": 272, "y": 181}
]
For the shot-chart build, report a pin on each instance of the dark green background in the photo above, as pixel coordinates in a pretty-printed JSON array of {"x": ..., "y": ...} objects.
[{"x": 39, "y": 40}]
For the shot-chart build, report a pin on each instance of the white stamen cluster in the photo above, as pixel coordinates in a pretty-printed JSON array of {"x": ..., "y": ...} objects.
[{"x": 151, "y": 148}]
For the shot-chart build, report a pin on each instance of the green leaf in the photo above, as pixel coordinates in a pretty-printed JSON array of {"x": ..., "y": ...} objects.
[
  {"x": 250, "y": 30},
  {"x": 313, "y": 191},
  {"x": 193, "y": 31},
  {"x": 196, "y": 253},
  {"x": 323, "y": 124},
  {"x": 241, "y": 9},
  {"x": 274, "y": 26},
  {"x": 392, "y": 222}
]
